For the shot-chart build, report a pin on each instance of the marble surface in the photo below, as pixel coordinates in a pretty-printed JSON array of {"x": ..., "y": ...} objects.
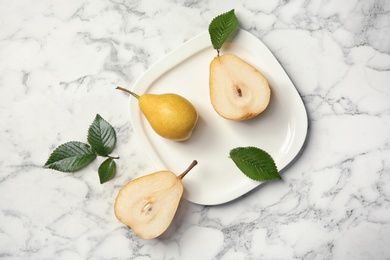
[{"x": 59, "y": 64}]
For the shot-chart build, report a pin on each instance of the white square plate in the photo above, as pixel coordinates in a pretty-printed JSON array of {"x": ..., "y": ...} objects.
[{"x": 280, "y": 130}]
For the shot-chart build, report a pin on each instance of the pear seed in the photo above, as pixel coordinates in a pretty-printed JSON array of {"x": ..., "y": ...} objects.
[{"x": 148, "y": 207}]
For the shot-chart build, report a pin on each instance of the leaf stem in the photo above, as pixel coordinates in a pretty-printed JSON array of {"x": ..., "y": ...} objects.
[{"x": 112, "y": 157}]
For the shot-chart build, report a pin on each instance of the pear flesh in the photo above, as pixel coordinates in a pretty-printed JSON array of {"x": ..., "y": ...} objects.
[
  {"x": 170, "y": 115},
  {"x": 237, "y": 90},
  {"x": 148, "y": 204}
]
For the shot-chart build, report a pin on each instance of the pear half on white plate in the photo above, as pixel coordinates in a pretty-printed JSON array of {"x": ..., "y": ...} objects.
[{"x": 237, "y": 90}]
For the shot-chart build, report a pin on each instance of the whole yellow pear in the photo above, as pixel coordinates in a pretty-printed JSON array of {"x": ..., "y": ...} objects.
[{"x": 170, "y": 115}]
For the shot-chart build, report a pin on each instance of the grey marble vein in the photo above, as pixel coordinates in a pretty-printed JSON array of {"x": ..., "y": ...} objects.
[{"x": 60, "y": 63}]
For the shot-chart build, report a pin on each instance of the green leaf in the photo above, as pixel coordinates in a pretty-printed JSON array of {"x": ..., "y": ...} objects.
[
  {"x": 255, "y": 163},
  {"x": 101, "y": 136},
  {"x": 107, "y": 170},
  {"x": 70, "y": 157},
  {"x": 221, "y": 27}
]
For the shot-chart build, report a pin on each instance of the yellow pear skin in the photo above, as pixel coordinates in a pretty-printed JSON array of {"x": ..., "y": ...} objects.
[
  {"x": 170, "y": 115},
  {"x": 149, "y": 203},
  {"x": 237, "y": 90}
]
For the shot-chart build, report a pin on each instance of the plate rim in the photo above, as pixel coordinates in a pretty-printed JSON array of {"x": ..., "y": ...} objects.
[{"x": 173, "y": 58}]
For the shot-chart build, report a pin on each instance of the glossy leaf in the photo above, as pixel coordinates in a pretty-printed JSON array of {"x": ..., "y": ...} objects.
[
  {"x": 255, "y": 163},
  {"x": 221, "y": 27},
  {"x": 101, "y": 136},
  {"x": 107, "y": 170},
  {"x": 70, "y": 157}
]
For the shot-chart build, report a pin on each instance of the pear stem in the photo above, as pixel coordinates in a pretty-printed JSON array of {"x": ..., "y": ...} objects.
[
  {"x": 181, "y": 176},
  {"x": 128, "y": 91}
]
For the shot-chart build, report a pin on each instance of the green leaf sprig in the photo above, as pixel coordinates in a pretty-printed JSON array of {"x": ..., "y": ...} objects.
[
  {"x": 73, "y": 156},
  {"x": 255, "y": 163},
  {"x": 221, "y": 27}
]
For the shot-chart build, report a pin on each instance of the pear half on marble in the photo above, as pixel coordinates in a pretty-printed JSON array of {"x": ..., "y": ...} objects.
[{"x": 148, "y": 204}]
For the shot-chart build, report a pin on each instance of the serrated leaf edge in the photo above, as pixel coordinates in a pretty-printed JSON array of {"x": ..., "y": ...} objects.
[
  {"x": 220, "y": 44},
  {"x": 277, "y": 177},
  {"x": 91, "y": 139},
  {"x": 49, "y": 164}
]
